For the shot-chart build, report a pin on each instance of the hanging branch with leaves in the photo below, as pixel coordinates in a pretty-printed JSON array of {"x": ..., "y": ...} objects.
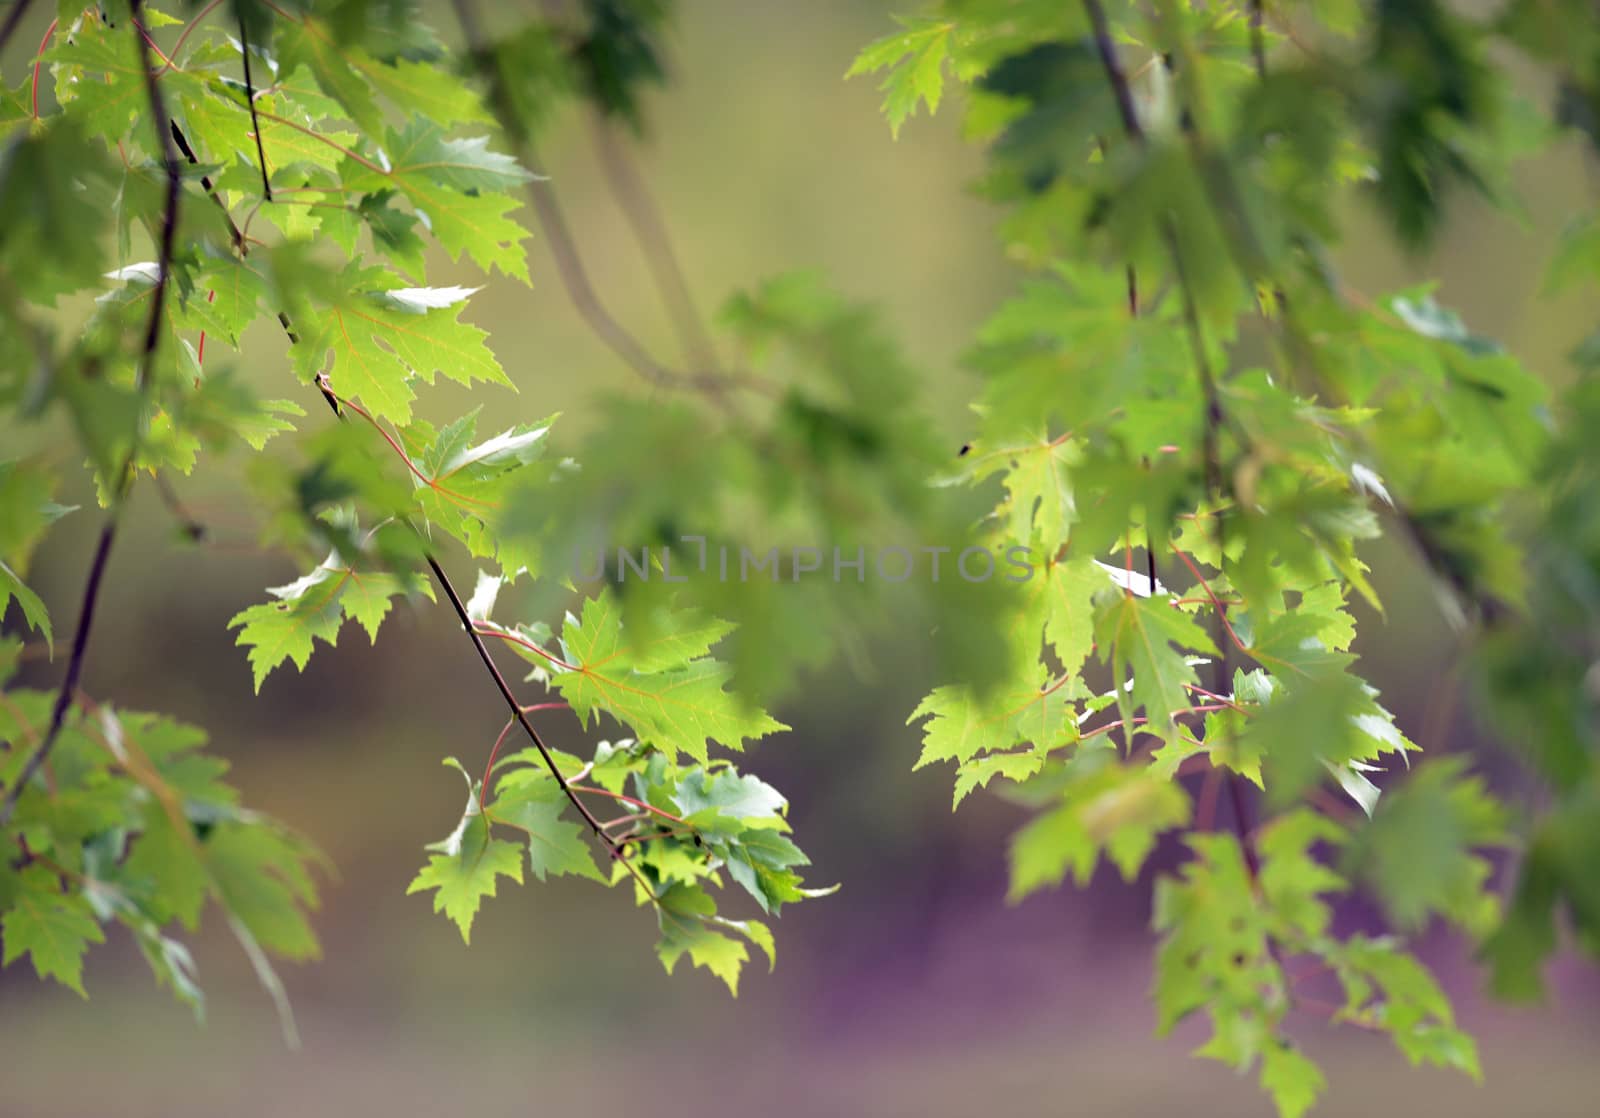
[{"x": 1187, "y": 420}]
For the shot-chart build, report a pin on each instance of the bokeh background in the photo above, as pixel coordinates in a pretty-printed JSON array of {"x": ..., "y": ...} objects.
[{"x": 916, "y": 990}]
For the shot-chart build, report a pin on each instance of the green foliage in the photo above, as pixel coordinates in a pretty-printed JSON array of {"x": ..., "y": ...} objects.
[
  {"x": 1184, "y": 394},
  {"x": 1188, "y": 430},
  {"x": 685, "y": 830},
  {"x": 664, "y": 689},
  {"x": 310, "y": 198},
  {"x": 137, "y": 827}
]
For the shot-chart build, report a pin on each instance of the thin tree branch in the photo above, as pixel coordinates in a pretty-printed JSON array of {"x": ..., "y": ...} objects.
[
  {"x": 187, "y": 31},
  {"x": 69, "y": 683},
  {"x": 169, "y": 221},
  {"x": 516, "y": 707},
  {"x": 241, "y": 245},
  {"x": 38, "y": 60},
  {"x": 210, "y": 189},
  {"x": 13, "y": 20},
  {"x": 124, "y": 480},
  {"x": 255, "y": 123},
  {"x": 1112, "y": 65},
  {"x": 1211, "y": 463}
]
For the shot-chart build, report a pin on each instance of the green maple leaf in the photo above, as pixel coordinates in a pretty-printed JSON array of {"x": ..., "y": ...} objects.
[
  {"x": 262, "y": 879},
  {"x": 729, "y": 794},
  {"x": 961, "y": 727},
  {"x": 467, "y": 875},
  {"x": 421, "y": 89},
  {"x": 555, "y": 845},
  {"x": 677, "y": 709},
  {"x": 1139, "y": 634},
  {"x": 307, "y": 610},
  {"x": 1111, "y": 808},
  {"x": 421, "y": 149},
  {"x": 1040, "y": 504},
  {"x": 1065, "y": 593},
  {"x": 915, "y": 60},
  {"x": 294, "y": 136},
  {"x": 461, "y": 483},
  {"x": 227, "y": 298},
  {"x": 33, "y": 607},
  {"x": 380, "y": 335},
  {"x": 456, "y": 184},
  {"x": 26, "y": 513},
  {"x": 171, "y": 867},
  {"x": 51, "y": 927},
  {"x": 315, "y": 607},
  {"x": 14, "y": 106},
  {"x": 684, "y": 912},
  {"x": 1419, "y": 850},
  {"x": 311, "y": 43},
  {"x": 99, "y": 77},
  {"x": 1293, "y": 1081},
  {"x": 51, "y": 177}
]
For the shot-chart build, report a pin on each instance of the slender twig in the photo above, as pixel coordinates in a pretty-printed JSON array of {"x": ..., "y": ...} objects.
[
  {"x": 189, "y": 30},
  {"x": 575, "y": 280},
  {"x": 69, "y": 683},
  {"x": 596, "y": 790},
  {"x": 1210, "y": 455},
  {"x": 38, "y": 58},
  {"x": 262, "y": 114},
  {"x": 255, "y": 123},
  {"x": 646, "y": 836},
  {"x": 624, "y": 820},
  {"x": 124, "y": 480},
  {"x": 188, "y": 524},
  {"x": 488, "y": 767},
  {"x": 169, "y": 221},
  {"x": 516, "y": 707},
  {"x": 460, "y": 500},
  {"x": 210, "y": 189},
  {"x": 1107, "y": 50},
  {"x": 13, "y": 21},
  {"x": 531, "y": 646},
  {"x": 1206, "y": 803}
]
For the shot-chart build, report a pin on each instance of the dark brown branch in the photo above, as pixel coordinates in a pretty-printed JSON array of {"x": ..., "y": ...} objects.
[
  {"x": 1107, "y": 51},
  {"x": 516, "y": 707},
  {"x": 69, "y": 683},
  {"x": 255, "y": 123},
  {"x": 13, "y": 21},
  {"x": 1214, "y": 416},
  {"x": 239, "y": 242},
  {"x": 124, "y": 480},
  {"x": 169, "y": 220},
  {"x": 210, "y": 189},
  {"x": 1123, "y": 92}
]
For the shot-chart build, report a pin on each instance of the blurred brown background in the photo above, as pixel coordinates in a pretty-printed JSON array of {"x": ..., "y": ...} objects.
[{"x": 915, "y": 990}]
